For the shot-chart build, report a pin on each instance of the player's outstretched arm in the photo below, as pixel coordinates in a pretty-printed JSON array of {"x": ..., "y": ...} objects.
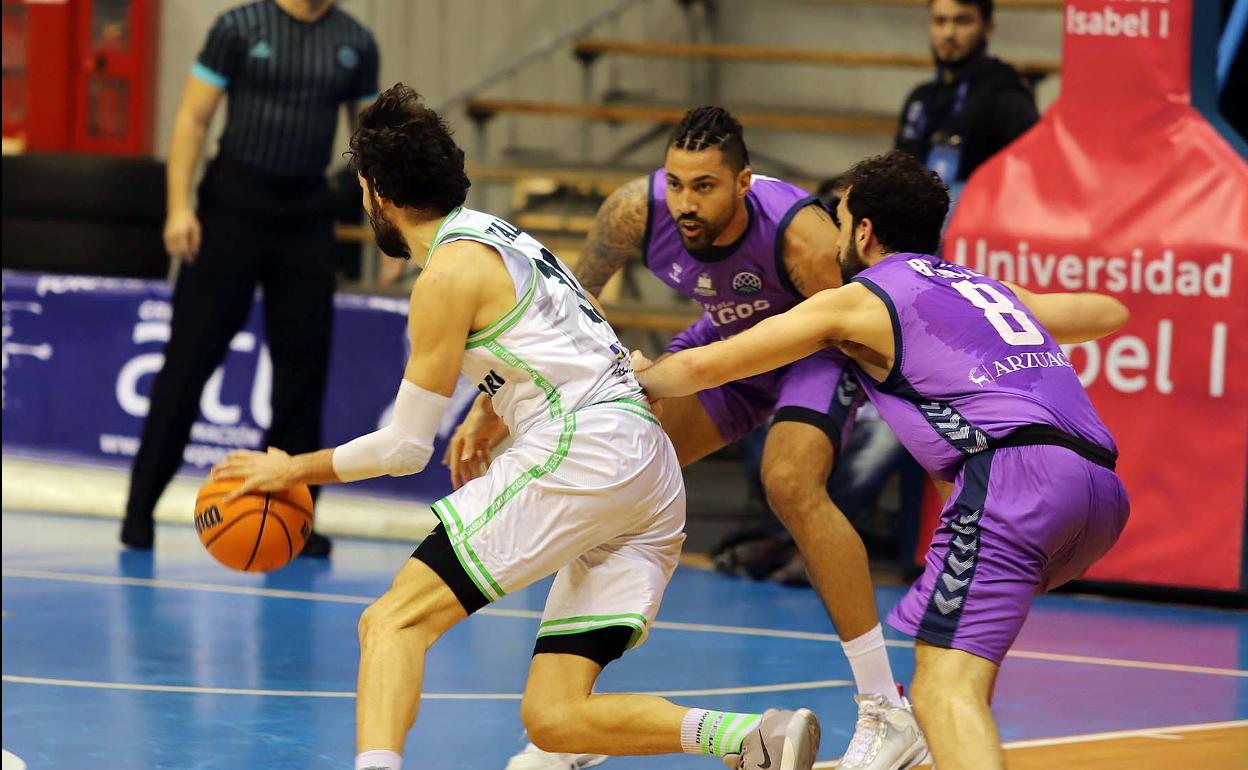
[
  {"x": 443, "y": 305},
  {"x": 824, "y": 319},
  {"x": 617, "y": 235},
  {"x": 1073, "y": 317}
]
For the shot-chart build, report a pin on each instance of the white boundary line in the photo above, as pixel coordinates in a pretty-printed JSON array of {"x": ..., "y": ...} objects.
[
  {"x": 498, "y": 612},
  {"x": 1171, "y": 732},
  {"x": 87, "y": 684},
  {"x": 1166, "y": 733}
]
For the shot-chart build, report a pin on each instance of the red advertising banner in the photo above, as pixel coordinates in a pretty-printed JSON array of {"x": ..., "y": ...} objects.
[{"x": 1124, "y": 188}]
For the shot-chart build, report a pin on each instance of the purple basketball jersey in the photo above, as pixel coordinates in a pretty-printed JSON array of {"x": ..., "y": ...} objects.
[
  {"x": 748, "y": 281},
  {"x": 972, "y": 365}
]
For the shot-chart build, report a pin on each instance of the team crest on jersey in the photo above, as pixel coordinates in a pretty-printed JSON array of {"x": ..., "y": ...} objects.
[
  {"x": 747, "y": 283},
  {"x": 347, "y": 57},
  {"x": 704, "y": 288}
]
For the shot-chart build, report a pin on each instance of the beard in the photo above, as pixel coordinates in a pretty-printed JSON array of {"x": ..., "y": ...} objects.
[
  {"x": 704, "y": 242},
  {"x": 851, "y": 262},
  {"x": 958, "y": 62},
  {"x": 389, "y": 239}
]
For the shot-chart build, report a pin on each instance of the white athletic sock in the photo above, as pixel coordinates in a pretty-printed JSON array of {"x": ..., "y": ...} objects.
[
  {"x": 868, "y": 658},
  {"x": 717, "y": 733},
  {"x": 378, "y": 760}
]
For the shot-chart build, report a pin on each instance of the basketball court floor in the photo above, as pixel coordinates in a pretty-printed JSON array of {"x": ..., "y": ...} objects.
[{"x": 123, "y": 660}]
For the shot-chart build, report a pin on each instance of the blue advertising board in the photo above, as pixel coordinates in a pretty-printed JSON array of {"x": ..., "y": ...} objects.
[{"x": 81, "y": 353}]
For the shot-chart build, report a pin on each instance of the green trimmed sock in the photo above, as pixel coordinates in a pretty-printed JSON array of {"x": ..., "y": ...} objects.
[{"x": 716, "y": 733}]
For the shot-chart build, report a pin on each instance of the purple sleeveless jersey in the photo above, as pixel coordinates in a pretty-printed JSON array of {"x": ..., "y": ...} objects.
[
  {"x": 739, "y": 286},
  {"x": 972, "y": 365},
  {"x": 744, "y": 283}
]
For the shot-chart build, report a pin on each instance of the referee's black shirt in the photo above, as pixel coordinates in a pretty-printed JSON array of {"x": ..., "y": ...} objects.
[{"x": 285, "y": 80}]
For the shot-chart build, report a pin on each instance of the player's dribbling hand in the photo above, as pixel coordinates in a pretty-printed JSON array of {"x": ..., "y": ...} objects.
[
  {"x": 260, "y": 471},
  {"x": 182, "y": 235}
]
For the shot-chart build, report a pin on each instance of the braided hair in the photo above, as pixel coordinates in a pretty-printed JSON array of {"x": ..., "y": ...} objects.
[
  {"x": 405, "y": 151},
  {"x": 707, "y": 127}
]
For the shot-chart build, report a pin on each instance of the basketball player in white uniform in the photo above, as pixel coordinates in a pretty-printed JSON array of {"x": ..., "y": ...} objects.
[{"x": 591, "y": 489}]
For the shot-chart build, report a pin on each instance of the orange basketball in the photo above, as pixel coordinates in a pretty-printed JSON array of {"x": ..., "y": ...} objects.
[{"x": 257, "y": 532}]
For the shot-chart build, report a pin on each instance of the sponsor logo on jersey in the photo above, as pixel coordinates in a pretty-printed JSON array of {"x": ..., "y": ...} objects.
[
  {"x": 746, "y": 282},
  {"x": 722, "y": 313},
  {"x": 979, "y": 376},
  {"x": 261, "y": 50},
  {"x": 704, "y": 288},
  {"x": 677, "y": 269},
  {"x": 492, "y": 382},
  {"x": 1043, "y": 359},
  {"x": 623, "y": 361}
]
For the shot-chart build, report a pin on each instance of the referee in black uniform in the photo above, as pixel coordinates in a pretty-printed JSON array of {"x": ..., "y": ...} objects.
[{"x": 265, "y": 218}]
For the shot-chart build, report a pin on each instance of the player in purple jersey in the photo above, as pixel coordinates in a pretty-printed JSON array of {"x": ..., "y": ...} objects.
[
  {"x": 748, "y": 247},
  {"x": 969, "y": 373}
]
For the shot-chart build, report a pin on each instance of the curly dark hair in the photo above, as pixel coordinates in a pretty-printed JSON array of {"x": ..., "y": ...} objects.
[
  {"x": 405, "y": 151},
  {"x": 706, "y": 127},
  {"x": 905, "y": 201}
]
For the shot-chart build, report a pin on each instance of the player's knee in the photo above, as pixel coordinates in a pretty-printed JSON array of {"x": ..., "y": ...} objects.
[
  {"x": 792, "y": 491},
  {"x": 550, "y": 723},
  {"x": 380, "y": 625},
  {"x": 936, "y": 691}
]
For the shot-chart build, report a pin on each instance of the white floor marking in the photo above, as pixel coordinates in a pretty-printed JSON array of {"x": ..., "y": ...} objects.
[
  {"x": 1152, "y": 732},
  {"x": 674, "y": 626},
  {"x": 92, "y": 685},
  {"x": 11, "y": 761}
]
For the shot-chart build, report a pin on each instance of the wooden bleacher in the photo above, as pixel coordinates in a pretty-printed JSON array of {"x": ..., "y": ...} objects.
[
  {"x": 483, "y": 109},
  {"x": 623, "y": 314},
  {"x": 1017, "y": 5},
  {"x": 599, "y": 180},
  {"x": 592, "y": 47},
  {"x": 561, "y": 244},
  {"x": 646, "y": 318}
]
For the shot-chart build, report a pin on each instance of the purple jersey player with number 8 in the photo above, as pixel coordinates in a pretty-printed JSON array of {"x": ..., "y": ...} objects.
[
  {"x": 748, "y": 247},
  {"x": 969, "y": 374}
]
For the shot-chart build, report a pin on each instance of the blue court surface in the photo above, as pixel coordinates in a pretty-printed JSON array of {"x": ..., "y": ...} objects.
[{"x": 133, "y": 660}]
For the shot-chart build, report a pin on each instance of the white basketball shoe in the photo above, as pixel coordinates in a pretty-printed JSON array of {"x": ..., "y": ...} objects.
[
  {"x": 887, "y": 737},
  {"x": 533, "y": 758}
]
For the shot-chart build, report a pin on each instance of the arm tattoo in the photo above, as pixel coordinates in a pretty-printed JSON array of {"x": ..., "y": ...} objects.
[
  {"x": 793, "y": 266},
  {"x": 808, "y": 260},
  {"x": 618, "y": 232}
]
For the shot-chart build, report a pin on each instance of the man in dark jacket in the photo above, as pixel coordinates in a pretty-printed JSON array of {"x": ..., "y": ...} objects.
[{"x": 976, "y": 104}]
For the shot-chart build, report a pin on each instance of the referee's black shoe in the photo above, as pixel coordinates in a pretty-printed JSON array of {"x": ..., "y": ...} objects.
[
  {"x": 317, "y": 546},
  {"x": 138, "y": 534}
]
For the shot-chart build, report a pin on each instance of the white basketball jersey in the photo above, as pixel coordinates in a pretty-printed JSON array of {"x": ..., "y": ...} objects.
[{"x": 552, "y": 353}]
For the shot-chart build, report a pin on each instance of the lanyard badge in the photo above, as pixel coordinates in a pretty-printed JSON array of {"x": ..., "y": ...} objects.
[{"x": 945, "y": 155}]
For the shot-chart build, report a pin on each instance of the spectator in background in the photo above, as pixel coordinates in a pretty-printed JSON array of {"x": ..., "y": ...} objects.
[
  {"x": 976, "y": 104},
  {"x": 265, "y": 218}
]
